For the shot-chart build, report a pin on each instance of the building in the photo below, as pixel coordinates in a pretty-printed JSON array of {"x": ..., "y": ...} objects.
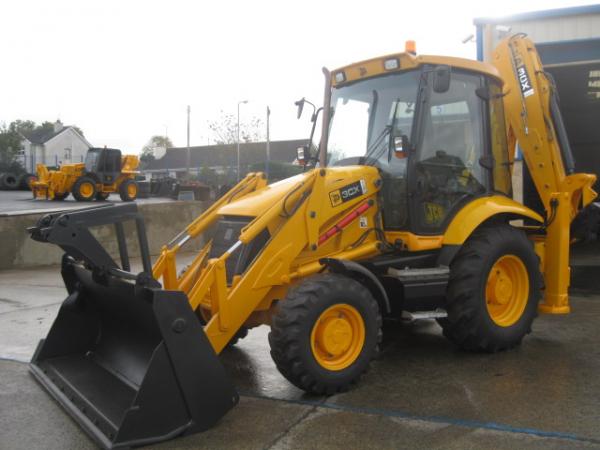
[
  {"x": 568, "y": 41},
  {"x": 61, "y": 145},
  {"x": 222, "y": 159}
]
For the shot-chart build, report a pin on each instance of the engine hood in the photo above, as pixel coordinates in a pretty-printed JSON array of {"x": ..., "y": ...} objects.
[{"x": 259, "y": 201}]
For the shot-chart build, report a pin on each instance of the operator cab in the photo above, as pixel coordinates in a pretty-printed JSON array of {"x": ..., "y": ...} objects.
[
  {"x": 433, "y": 127},
  {"x": 105, "y": 163}
]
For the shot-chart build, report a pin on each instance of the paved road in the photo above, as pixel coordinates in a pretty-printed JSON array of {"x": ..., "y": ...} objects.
[
  {"x": 421, "y": 393},
  {"x": 21, "y": 202}
]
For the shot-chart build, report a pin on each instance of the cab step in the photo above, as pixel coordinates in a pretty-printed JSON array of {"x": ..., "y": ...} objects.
[{"x": 417, "y": 315}]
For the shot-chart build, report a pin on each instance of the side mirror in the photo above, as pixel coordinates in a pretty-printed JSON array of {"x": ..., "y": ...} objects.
[
  {"x": 441, "y": 79},
  {"x": 300, "y": 105},
  {"x": 302, "y": 154},
  {"x": 401, "y": 146}
]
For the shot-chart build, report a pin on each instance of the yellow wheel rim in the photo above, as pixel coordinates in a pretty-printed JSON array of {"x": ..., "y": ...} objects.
[
  {"x": 338, "y": 337},
  {"x": 86, "y": 189},
  {"x": 507, "y": 290},
  {"x": 131, "y": 190}
]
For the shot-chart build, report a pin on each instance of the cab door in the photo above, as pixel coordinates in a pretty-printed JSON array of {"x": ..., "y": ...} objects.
[
  {"x": 109, "y": 165},
  {"x": 447, "y": 168}
]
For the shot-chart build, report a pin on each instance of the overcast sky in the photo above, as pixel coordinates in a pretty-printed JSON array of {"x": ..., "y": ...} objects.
[{"x": 125, "y": 70}]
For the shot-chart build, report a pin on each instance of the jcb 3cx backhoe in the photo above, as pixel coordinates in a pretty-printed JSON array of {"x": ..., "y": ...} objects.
[{"x": 406, "y": 212}]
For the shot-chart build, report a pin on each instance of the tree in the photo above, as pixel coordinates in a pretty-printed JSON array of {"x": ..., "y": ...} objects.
[
  {"x": 10, "y": 144},
  {"x": 149, "y": 149},
  {"x": 224, "y": 129},
  {"x": 22, "y": 126}
]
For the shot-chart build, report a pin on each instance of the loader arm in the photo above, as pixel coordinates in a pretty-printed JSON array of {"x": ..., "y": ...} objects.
[
  {"x": 292, "y": 219},
  {"x": 533, "y": 120},
  {"x": 165, "y": 266}
]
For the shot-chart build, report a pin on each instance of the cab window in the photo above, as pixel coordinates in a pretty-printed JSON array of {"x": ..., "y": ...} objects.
[{"x": 448, "y": 169}]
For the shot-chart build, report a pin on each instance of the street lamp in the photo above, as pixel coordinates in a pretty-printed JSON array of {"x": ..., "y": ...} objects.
[{"x": 238, "y": 137}]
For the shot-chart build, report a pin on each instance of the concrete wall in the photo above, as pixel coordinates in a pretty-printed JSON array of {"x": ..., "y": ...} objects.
[{"x": 163, "y": 222}]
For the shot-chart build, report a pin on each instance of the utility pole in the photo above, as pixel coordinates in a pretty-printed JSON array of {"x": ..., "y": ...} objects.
[
  {"x": 267, "y": 162},
  {"x": 238, "y": 137},
  {"x": 189, "y": 156}
]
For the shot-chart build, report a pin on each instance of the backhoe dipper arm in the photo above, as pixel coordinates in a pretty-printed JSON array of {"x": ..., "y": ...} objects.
[{"x": 534, "y": 121}]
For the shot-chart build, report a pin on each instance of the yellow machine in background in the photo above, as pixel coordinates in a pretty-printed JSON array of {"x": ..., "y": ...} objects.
[
  {"x": 104, "y": 171},
  {"x": 405, "y": 212}
]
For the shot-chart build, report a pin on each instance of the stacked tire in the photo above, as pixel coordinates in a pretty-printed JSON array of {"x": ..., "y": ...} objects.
[{"x": 9, "y": 181}]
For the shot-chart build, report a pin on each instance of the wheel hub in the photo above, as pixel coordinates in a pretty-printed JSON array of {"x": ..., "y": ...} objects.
[
  {"x": 338, "y": 337},
  {"x": 335, "y": 335},
  {"x": 507, "y": 290},
  {"x": 86, "y": 189}
]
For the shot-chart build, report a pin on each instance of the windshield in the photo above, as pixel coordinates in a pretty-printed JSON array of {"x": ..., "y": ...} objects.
[
  {"x": 90, "y": 160},
  {"x": 364, "y": 114}
]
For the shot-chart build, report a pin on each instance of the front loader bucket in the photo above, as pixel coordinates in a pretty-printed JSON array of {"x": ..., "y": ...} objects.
[{"x": 130, "y": 362}]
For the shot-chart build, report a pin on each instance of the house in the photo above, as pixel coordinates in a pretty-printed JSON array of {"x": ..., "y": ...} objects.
[
  {"x": 61, "y": 145},
  {"x": 222, "y": 159}
]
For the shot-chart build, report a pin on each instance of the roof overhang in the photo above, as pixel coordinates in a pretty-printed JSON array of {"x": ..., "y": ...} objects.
[
  {"x": 540, "y": 15},
  {"x": 406, "y": 61}
]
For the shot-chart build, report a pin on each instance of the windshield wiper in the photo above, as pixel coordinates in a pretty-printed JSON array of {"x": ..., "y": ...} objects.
[
  {"x": 376, "y": 145},
  {"x": 384, "y": 134}
]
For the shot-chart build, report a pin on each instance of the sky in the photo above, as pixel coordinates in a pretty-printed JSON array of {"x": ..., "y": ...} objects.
[{"x": 124, "y": 71}]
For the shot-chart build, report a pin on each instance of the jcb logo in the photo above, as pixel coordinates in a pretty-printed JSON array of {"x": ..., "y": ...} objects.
[
  {"x": 347, "y": 193},
  {"x": 335, "y": 198}
]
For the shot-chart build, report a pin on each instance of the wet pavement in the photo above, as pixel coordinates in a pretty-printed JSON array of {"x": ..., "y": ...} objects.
[
  {"x": 421, "y": 393},
  {"x": 21, "y": 202}
]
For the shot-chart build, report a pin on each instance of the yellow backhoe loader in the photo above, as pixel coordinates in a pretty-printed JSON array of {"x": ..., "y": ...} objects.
[
  {"x": 104, "y": 171},
  {"x": 405, "y": 210}
]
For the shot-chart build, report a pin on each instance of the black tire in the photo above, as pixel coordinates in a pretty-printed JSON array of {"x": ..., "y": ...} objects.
[
  {"x": 25, "y": 181},
  {"x": 82, "y": 196},
  {"x": 9, "y": 181},
  {"x": 60, "y": 197},
  {"x": 102, "y": 196},
  {"x": 469, "y": 323},
  {"x": 292, "y": 325},
  {"x": 124, "y": 190}
]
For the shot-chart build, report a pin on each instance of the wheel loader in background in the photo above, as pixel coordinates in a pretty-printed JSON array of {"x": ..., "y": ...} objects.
[
  {"x": 405, "y": 211},
  {"x": 104, "y": 171}
]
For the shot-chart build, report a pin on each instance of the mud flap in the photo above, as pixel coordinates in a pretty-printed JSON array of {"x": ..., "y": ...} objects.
[{"x": 130, "y": 363}]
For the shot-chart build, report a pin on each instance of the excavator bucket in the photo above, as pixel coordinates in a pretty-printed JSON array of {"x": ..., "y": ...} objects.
[{"x": 130, "y": 362}]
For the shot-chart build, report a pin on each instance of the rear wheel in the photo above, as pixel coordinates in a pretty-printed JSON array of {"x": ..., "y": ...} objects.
[
  {"x": 494, "y": 289},
  {"x": 128, "y": 190},
  {"x": 84, "y": 189},
  {"x": 325, "y": 333}
]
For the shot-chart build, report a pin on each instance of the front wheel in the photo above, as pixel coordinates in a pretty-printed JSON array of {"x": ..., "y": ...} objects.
[
  {"x": 128, "y": 190},
  {"x": 325, "y": 333},
  {"x": 84, "y": 189},
  {"x": 494, "y": 290}
]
